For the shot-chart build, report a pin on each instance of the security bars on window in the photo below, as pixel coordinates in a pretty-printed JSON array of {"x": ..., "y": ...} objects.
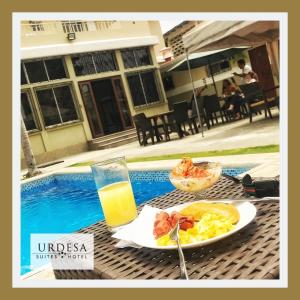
[{"x": 39, "y": 70}]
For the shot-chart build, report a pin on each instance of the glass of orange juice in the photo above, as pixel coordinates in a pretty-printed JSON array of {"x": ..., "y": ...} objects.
[{"x": 115, "y": 192}]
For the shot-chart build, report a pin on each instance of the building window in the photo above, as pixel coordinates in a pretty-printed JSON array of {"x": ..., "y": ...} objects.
[
  {"x": 36, "y": 71},
  {"x": 28, "y": 112},
  {"x": 57, "y": 105},
  {"x": 105, "y": 61},
  {"x": 136, "y": 57},
  {"x": 96, "y": 62},
  {"x": 143, "y": 88},
  {"x": 37, "y": 25},
  {"x": 219, "y": 67},
  {"x": 83, "y": 64},
  {"x": 55, "y": 68},
  {"x": 74, "y": 26},
  {"x": 44, "y": 70}
]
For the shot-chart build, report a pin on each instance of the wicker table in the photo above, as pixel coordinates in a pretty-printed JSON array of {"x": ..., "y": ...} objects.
[{"x": 252, "y": 253}]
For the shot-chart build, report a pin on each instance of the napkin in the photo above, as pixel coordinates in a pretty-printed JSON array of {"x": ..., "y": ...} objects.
[{"x": 135, "y": 234}]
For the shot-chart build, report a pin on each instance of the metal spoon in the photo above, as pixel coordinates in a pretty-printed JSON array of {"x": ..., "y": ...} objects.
[{"x": 175, "y": 237}]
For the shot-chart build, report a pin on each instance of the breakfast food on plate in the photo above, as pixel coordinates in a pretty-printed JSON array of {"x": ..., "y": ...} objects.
[
  {"x": 198, "y": 222},
  {"x": 194, "y": 177},
  {"x": 198, "y": 209},
  {"x": 164, "y": 223}
]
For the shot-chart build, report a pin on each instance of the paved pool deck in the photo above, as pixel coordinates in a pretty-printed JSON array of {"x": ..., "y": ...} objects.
[{"x": 239, "y": 134}]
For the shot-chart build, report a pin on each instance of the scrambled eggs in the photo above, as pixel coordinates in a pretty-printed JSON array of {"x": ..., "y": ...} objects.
[{"x": 210, "y": 225}]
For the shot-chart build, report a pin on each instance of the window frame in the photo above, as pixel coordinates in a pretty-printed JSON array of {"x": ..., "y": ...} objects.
[
  {"x": 135, "y": 59},
  {"x": 25, "y": 74},
  {"x": 62, "y": 58},
  {"x": 157, "y": 83},
  {"x": 33, "y": 109},
  {"x": 114, "y": 56},
  {"x": 75, "y": 100}
]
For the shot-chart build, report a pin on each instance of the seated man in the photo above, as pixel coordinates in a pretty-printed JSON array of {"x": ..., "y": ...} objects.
[{"x": 247, "y": 75}]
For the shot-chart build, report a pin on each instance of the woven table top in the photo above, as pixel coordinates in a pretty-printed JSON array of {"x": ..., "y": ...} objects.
[{"x": 252, "y": 253}]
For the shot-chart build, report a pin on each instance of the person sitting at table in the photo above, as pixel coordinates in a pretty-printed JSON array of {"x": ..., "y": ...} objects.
[
  {"x": 247, "y": 75},
  {"x": 233, "y": 98}
]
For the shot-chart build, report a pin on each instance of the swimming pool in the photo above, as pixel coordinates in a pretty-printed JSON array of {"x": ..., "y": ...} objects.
[{"x": 64, "y": 203}]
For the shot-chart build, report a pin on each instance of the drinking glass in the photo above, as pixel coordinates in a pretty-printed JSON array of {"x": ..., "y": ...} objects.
[{"x": 115, "y": 192}]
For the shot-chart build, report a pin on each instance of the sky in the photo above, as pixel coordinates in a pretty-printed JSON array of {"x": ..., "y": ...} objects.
[{"x": 167, "y": 25}]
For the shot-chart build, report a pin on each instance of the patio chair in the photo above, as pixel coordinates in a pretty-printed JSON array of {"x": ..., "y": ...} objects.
[
  {"x": 272, "y": 101},
  {"x": 230, "y": 115},
  {"x": 212, "y": 107},
  {"x": 181, "y": 117},
  {"x": 256, "y": 99},
  {"x": 143, "y": 127},
  {"x": 194, "y": 114}
]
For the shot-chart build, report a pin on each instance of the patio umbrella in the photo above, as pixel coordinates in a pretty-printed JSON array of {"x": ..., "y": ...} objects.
[{"x": 212, "y": 35}]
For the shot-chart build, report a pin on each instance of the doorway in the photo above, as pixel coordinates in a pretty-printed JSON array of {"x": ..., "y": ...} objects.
[
  {"x": 106, "y": 106},
  {"x": 261, "y": 66}
]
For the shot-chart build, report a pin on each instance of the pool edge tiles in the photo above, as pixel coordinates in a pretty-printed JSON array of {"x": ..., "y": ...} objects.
[
  {"x": 154, "y": 175},
  {"x": 162, "y": 175},
  {"x": 28, "y": 186}
]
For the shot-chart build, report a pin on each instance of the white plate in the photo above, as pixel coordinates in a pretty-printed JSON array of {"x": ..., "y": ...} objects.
[{"x": 141, "y": 230}]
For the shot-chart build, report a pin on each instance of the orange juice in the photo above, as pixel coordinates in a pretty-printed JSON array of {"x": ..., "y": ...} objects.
[{"x": 118, "y": 203}]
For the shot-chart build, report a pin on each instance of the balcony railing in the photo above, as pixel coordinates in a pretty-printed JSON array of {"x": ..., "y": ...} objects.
[{"x": 34, "y": 28}]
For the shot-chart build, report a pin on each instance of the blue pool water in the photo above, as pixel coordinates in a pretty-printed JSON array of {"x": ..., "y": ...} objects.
[{"x": 68, "y": 202}]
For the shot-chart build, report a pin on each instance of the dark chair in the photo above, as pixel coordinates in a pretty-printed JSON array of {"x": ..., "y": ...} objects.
[
  {"x": 194, "y": 114},
  {"x": 257, "y": 100},
  {"x": 239, "y": 105},
  {"x": 164, "y": 128},
  {"x": 143, "y": 126},
  {"x": 274, "y": 100},
  {"x": 181, "y": 117},
  {"x": 212, "y": 107},
  {"x": 170, "y": 126}
]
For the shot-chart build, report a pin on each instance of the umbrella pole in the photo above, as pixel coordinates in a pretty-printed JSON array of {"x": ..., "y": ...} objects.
[
  {"x": 194, "y": 93},
  {"x": 212, "y": 77}
]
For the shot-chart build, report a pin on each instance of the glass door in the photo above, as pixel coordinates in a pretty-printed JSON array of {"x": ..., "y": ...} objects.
[
  {"x": 107, "y": 106},
  {"x": 91, "y": 109},
  {"x": 122, "y": 103}
]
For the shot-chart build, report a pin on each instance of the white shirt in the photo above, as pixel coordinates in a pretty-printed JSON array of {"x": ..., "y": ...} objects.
[{"x": 247, "y": 71}]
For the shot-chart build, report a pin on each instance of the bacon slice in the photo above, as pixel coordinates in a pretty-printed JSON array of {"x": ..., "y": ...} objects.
[{"x": 164, "y": 223}]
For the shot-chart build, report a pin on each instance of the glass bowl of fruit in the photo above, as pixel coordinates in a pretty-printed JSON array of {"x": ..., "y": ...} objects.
[{"x": 195, "y": 177}]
